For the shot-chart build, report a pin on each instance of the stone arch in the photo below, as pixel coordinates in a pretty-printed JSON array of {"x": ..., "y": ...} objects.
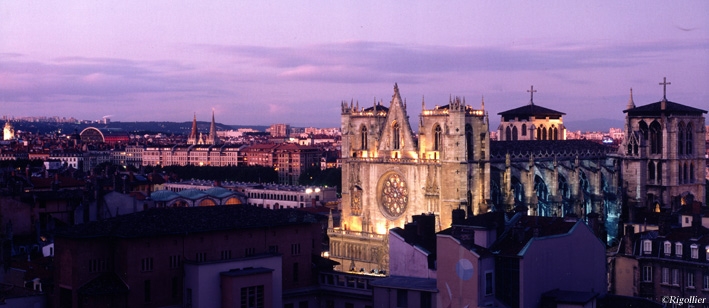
[
  {"x": 680, "y": 138},
  {"x": 689, "y": 140},
  {"x": 543, "y": 200}
]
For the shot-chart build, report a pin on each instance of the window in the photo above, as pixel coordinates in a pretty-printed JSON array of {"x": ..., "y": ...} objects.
[
  {"x": 705, "y": 284},
  {"x": 690, "y": 280},
  {"x": 647, "y": 247},
  {"x": 175, "y": 287},
  {"x": 668, "y": 248},
  {"x": 226, "y": 254},
  {"x": 706, "y": 249},
  {"x": 295, "y": 249},
  {"x": 146, "y": 265},
  {"x": 252, "y": 297},
  {"x": 402, "y": 298},
  {"x": 295, "y": 272},
  {"x": 678, "y": 249},
  {"x": 396, "y": 136},
  {"x": 647, "y": 273},
  {"x": 249, "y": 251},
  {"x": 363, "y": 136},
  {"x": 201, "y": 257},
  {"x": 147, "y": 291},
  {"x": 97, "y": 265},
  {"x": 524, "y": 129},
  {"x": 694, "y": 251},
  {"x": 175, "y": 261},
  {"x": 488, "y": 283},
  {"x": 665, "y": 275},
  {"x": 273, "y": 249},
  {"x": 437, "y": 140},
  {"x": 675, "y": 276},
  {"x": 425, "y": 300}
]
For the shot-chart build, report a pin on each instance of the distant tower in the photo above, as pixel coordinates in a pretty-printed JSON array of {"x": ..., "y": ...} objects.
[
  {"x": 212, "y": 138},
  {"x": 8, "y": 131},
  {"x": 194, "y": 136},
  {"x": 531, "y": 122}
]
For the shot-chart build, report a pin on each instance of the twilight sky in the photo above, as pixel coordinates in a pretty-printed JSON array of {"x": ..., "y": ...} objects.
[{"x": 264, "y": 62}]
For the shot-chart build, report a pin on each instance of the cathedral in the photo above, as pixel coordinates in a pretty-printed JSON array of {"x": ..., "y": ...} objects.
[
  {"x": 390, "y": 172},
  {"x": 196, "y": 138}
]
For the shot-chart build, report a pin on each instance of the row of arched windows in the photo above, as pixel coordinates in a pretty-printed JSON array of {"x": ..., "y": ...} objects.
[
  {"x": 653, "y": 134},
  {"x": 685, "y": 140},
  {"x": 551, "y": 133}
]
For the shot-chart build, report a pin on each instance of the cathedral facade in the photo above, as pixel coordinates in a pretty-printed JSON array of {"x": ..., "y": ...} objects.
[{"x": 390, "y": 173}]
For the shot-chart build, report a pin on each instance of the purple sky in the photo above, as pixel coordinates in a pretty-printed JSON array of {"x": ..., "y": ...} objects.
[{"x": 263, "y": 62}]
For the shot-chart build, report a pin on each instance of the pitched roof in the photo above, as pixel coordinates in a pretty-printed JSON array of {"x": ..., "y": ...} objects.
[
  {"x": 670, "y": 107},
  {"x": 513, "y": 241},
  {"x": 170, "y": 221},
  {"x": 531, "y": 110}
]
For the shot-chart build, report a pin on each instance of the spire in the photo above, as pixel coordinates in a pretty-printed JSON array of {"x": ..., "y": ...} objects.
[
  {"x": 212, "y": 131},
  {"x": 482, "y": 103},
  {"x": 423, "y": 103},
  {"x": 192, "y": 138},
  {"x": 631, "y": 103}
]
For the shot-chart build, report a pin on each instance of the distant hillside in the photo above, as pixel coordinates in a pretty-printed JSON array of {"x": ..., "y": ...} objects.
[{"x": 131, "y": 127}]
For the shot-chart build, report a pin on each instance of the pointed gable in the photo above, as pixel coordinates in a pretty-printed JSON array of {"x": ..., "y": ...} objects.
[{"x": 397, "y": 138}]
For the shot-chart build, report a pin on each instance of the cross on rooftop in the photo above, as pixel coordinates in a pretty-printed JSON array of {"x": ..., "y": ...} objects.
[
  {"x": 531, "y": 98},
  {"x": 664, "y": 84}
]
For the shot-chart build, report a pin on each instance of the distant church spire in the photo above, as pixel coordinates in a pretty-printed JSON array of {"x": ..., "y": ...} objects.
[
  {"x": 212, "y": 138},
  {"x": 631, "y": 103},
  {"x": 482, "y": 103},
  {"x": 192, "y": 139}
]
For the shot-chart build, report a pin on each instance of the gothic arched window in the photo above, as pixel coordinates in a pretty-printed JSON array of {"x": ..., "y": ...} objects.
[
  {"x": 655, "y": 138},
  {"x": 551, "y": 133},
  {"x": 651, "y": 171},
  {"x": 544, "y": 134},
  {"x": 643, "y": 130},
  {"x": 689, "y": 139},
  {"x": 508, "y": 134},
  {"x": 363, "y": 136},
  {"x": 691, "y": 173},
  {"x": 514, "y": 132},
  {"x": 556, "y": 133},
  {"x": 437, "y": 138},
  {"x": 539, "y": 133},
  {"x": 680, "y": 138},
  {"x": 396, "y": 136},
  {"x": 524, "y": 129},
  {"x": 659, "y": 172},
  {"x": 685, "y": 174},
  {"x": 469, "y": 140}
]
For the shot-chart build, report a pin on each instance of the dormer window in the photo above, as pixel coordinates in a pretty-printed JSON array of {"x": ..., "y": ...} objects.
[
  {"x": 668, "y": 248},
  {"x": 694, "y": 251},
  {"x": 678, "y": 249},
  {"x": 647, "y": 247}
]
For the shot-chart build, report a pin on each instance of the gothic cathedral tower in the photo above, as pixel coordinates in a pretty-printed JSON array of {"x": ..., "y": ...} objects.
[
  {"x": 390, "y": 173},
  {"x": 663, "y": 155}
]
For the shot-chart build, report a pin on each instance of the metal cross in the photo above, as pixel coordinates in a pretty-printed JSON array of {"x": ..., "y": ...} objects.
[
  {"x": 664, "y": 84},
  {"x": 531, "y": 98}
]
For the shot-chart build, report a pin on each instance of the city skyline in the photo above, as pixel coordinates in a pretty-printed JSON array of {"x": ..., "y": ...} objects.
[{"x": 271, "y": 62}]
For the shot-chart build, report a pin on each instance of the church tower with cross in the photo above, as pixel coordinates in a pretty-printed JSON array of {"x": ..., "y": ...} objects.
[
  {"x": 662, "y": 156},
  {"x": 531, "y": 122}
]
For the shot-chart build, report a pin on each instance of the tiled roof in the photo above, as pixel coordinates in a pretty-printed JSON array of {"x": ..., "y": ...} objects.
[
  {"x": 170, "y": 221},
  {"x": 670, "y": 107}
]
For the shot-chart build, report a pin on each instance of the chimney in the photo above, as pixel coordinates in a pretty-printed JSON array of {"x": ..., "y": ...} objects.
[{"x": 627, "y": 239}]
